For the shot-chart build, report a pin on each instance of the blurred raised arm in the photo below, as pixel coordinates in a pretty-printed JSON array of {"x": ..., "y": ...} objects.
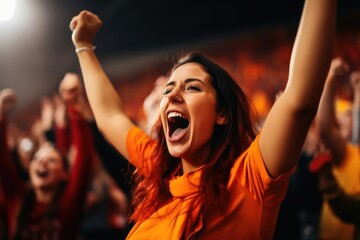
[
  {"x": 327, "y": 123},
  {"x": 288, "y": 121}
]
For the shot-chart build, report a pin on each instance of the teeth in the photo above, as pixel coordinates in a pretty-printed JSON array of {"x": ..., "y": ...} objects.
[{"x": 175, "y": 114}]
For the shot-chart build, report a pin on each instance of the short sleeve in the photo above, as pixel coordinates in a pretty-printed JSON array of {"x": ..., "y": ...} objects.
[
  {"x": 141, "y": 149},
  {"x": 250, "y": 172}
]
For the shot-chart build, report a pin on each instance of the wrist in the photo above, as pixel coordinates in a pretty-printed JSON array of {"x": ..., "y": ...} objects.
[{"x": 82, "y": 48}]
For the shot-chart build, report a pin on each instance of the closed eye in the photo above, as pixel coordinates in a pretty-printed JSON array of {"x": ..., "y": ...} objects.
[
  {"x": 51, "y": 159},
  {"x": 166, "y": 91},
  {"x": 193, "y": 88}
]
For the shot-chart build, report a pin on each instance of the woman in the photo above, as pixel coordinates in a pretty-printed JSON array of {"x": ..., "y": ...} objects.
[
  {"x": 336, "y": 118},
  {"x": 209, "y": 175},
  {"x": 51, "y": 208}
]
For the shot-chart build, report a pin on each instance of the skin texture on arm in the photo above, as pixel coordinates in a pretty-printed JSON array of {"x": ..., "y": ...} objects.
[
  {"x": 103, "y": 98},
  {"x": 286, "y": 126},
  {"x": 327, "y": 123}
]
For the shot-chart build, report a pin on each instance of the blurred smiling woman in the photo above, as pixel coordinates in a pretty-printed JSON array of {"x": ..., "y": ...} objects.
[{"x": 51, "y": 207}]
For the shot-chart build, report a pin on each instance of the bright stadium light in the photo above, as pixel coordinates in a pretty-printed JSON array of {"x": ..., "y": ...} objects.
[{"x": 6, "y": 9}]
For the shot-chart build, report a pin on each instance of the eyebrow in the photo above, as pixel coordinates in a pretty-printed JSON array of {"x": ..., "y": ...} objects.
[{"x": 172, "y": 83}]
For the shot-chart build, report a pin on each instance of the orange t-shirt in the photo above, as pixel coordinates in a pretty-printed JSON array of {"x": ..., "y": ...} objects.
[{"x": 254, "y": 200}]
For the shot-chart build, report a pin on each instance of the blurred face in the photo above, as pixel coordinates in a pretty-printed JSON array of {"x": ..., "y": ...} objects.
[
  {"x": 152, "y": 101},
  {"x": 70, "y": 88},
  {"x": 188, "y": 113},
  {"x": 46, "y": 169}
]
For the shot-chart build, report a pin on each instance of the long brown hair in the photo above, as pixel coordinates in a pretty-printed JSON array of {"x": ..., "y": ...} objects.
[{"x": 227, "y": 143}]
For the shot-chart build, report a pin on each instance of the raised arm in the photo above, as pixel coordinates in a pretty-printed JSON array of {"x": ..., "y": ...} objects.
[
  {"x": 327, "y": 123},
  {"x": 11, "y": 184},
  {"x": 83, "y": 142},
  {"x": 288, "y": 121},
  {"x": 104, "y": 100}
]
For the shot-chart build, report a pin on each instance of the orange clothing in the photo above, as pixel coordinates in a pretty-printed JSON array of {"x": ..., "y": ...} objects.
[
  {"x": 348, "y": 177},
  {"x": 253, "y": 203}
]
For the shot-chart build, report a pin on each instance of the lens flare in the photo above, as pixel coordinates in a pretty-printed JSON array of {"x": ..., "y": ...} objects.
[{"x": 7, "y": 8}]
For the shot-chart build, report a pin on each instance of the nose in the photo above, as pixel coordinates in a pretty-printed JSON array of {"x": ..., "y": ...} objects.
[
  {"x": 42, "y": 161},
  {"x": 174, "y": 96}
]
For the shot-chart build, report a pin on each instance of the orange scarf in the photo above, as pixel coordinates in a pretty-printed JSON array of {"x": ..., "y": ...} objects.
[{"x": 179, "y": 219}]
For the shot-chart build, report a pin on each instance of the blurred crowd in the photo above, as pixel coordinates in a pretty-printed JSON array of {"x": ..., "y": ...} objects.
[{"x": 62, "y": 169}]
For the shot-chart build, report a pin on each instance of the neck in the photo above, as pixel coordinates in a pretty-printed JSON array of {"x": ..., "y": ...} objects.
[
  {"x": 44, "y": 194},
  {"x": 196, "y": 160},
  {"x": 188, "y": 167}
]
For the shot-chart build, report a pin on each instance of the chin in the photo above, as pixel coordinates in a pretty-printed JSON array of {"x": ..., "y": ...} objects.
[
  {"x": 176, "y": 154},
  {"x": 42, "y": 184}
]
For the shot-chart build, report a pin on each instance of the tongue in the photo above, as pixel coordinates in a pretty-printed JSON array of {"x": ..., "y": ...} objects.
[{"x": 178, "y": 133}]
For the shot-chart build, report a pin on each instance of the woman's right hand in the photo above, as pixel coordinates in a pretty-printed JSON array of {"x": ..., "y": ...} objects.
[{"x": 84, "y": 27}]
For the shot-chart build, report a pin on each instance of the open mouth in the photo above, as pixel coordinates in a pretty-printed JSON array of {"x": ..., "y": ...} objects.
[
  {"x": 42, "y": 173},
  {"x": 178, "y": 124}
]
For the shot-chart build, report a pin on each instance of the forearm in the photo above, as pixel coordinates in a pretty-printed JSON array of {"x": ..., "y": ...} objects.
[
  {"x": 312, "y": 53},
  {"x": 79, "y": 179},
  {"x": 326, "y": 115},
  {"x": 102, "y": 95},
  {"x": 327, "y": 123},
  {"x": 62, "y": 138},
  {"x": 11, "y": 183}
]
